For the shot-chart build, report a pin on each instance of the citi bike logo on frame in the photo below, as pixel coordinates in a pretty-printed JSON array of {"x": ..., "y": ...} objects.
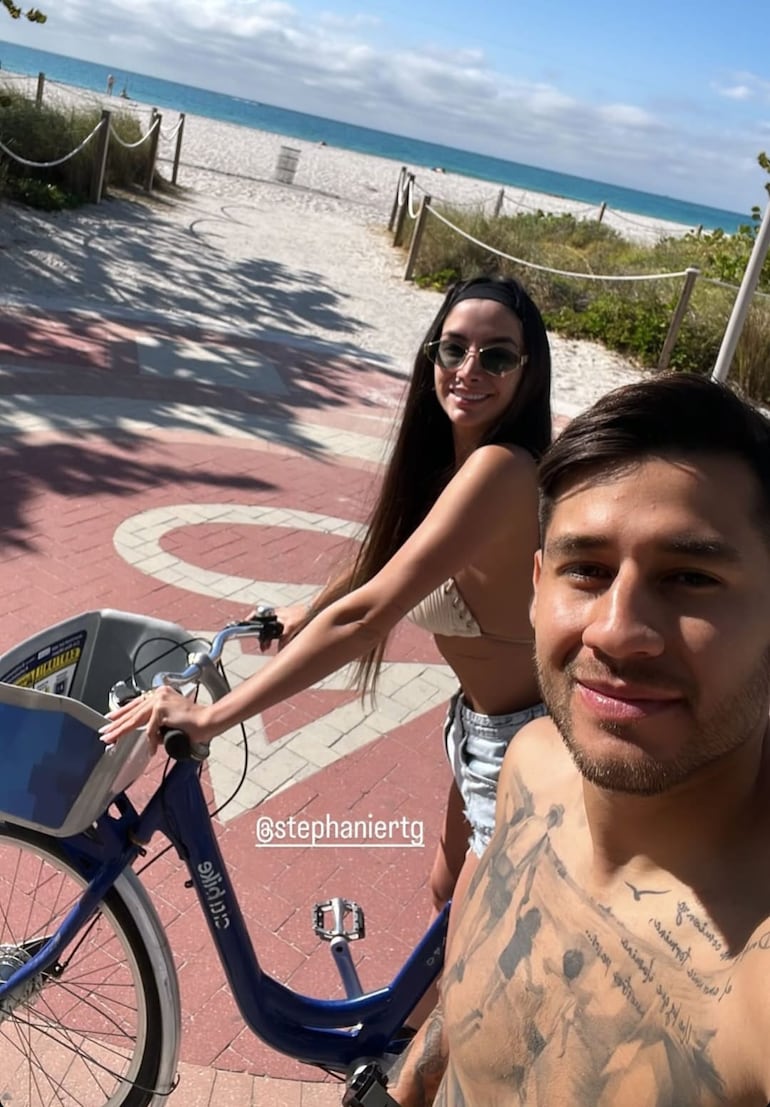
[{"x": 212, "y": 881}]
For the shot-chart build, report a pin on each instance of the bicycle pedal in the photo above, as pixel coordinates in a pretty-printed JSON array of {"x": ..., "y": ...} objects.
[{"x": 340, "y": 911}]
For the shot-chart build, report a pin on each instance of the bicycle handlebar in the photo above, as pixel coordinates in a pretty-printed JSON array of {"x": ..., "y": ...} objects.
[{"x": 263, "y": 625}]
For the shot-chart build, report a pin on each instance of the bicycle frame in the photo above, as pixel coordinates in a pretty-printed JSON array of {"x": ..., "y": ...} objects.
[{"x": 333, "y": 1034}]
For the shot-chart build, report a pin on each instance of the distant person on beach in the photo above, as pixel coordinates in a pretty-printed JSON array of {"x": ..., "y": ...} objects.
[
  {"x": 611, "y": 951},
  {"x": 110, "y": 84},
  {"x": 450, "y": 545}
]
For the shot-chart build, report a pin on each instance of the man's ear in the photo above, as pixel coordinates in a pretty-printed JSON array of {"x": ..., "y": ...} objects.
[{"x": 537, "y": 569}]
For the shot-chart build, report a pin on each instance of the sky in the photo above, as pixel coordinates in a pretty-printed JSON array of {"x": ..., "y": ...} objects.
[{"x": 669, "y": 97}]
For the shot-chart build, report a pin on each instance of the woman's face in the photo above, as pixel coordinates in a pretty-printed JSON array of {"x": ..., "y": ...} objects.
[{"x": 473, "y": 399}]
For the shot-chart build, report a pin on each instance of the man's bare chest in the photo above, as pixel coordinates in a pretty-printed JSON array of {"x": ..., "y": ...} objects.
[{"x": 561, "y": 998}]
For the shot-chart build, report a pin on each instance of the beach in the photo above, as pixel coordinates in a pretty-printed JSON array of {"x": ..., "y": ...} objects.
[{"x": 236, "y": 241}]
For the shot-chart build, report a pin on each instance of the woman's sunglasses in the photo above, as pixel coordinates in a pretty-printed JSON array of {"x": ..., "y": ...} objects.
[{"x": 449, "y": 355}]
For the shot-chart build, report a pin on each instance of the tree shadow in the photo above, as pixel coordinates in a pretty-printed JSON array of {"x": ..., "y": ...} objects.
[
  {"x": 130, "y": 254},
  {"x": 76, "y": 470},
  {"x": 200, "y": 316}
]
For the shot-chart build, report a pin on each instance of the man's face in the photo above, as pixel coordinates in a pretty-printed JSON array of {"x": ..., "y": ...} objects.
[{"x": 652, "y": 619}]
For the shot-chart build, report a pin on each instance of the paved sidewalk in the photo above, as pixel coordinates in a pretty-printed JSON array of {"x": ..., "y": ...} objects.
[{"x": 185, "y": 474}]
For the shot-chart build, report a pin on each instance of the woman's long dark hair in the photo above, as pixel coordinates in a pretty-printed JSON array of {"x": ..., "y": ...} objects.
[{"x": 423, "y": 458}]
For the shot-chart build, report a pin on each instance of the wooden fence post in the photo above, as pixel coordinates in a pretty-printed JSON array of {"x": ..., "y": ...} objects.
[
  {"x": 499, "y": 204},
  {"x": 155, "y": 120},
  {"x": 394, "y": 209},
  {"x": 602, "y": 210},
  {"x": 691, "y": 277},
  {"x": 402, "y": 211},
  {"x": 100, "y": 158},
  {"x": 40, "y": 87},
  {"x": 414, "y": 246},
  {"x": 178, "y": 151}
]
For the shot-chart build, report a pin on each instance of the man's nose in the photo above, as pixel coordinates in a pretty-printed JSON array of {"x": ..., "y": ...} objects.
[{"x": 624, "y": 620}]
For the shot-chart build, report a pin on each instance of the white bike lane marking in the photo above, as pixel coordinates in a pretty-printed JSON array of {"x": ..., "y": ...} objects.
[{"x": 406, "y": 689}]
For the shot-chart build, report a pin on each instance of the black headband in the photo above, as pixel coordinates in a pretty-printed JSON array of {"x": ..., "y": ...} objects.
[{"x": 490, "y": 290}]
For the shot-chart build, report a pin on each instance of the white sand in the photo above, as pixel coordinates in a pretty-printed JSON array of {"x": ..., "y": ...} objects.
[{"x": 243, "y": 251}]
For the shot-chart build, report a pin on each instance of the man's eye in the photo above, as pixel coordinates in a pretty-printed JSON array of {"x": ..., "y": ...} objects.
[
  {"x": 584, "y": 570},
  {"x": 692, "y": 578}
]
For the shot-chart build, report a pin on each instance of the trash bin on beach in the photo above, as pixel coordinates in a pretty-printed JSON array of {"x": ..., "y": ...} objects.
[{"x": 286, "y": 166}]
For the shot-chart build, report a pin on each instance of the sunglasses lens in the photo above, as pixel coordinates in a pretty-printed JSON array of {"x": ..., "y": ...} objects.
[
  {"x": 497, "y": 360},
  {"x": 450, "y": 355}
]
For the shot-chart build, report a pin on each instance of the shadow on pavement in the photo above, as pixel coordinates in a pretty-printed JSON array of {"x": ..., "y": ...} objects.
[{"x": 77, "y": 471}]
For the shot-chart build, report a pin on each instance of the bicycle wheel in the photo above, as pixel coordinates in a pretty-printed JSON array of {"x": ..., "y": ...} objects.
[{"x": 88, "y": 1031}]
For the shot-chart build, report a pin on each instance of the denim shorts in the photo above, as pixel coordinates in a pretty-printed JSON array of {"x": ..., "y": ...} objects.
[{"x": 475, "y": 746}]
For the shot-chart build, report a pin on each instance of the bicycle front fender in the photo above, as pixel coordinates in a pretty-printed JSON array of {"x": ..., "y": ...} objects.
[{"x": 148, "y": 923}]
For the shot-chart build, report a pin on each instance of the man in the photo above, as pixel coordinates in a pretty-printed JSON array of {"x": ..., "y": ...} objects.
[{"x": 613, "y": 949}]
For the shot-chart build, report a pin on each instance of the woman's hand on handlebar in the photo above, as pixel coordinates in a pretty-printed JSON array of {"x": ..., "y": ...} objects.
[
  {"x": 291, "y": 618},
  {"x": 159, "y": 710}
]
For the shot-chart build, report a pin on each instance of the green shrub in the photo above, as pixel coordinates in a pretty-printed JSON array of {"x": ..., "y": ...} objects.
[
  {"x": 40, "y": 133},
  {"x": 39, "y": 194},
  {"x": 634, "y": 325}
]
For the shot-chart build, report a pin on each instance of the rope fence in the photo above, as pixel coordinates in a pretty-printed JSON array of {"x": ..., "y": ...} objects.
[
  {"x": 168, "y": 135},
  {"x": 403, "y": 207},
  {"x": 103, "y": 133},
  {"x": 59, "y": 161},
  {"x": 580, "y": 211},
  {"x": 139, "y": 142},
  {"x": 546, "y": 268}
]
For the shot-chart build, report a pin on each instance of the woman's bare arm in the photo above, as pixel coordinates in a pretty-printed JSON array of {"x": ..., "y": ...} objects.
[{"x": 483, "y": 497}]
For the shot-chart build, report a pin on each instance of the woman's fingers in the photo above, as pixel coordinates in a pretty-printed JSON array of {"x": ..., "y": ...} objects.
[{"x": 148, "y": 710}]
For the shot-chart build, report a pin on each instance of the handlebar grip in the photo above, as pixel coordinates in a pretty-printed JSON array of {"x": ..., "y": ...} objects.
[
  {"x": 177, "y": 744},
  {"x": 271, "y": 630}
]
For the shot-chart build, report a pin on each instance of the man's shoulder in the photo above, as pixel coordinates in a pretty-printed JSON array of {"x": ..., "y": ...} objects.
[
  {"x": 538, "y": 742},
  {"x": 537, "y": 757}
]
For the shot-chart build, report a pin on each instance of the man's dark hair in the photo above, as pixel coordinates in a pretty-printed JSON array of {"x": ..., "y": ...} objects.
[{"x": 670, "y": 416}]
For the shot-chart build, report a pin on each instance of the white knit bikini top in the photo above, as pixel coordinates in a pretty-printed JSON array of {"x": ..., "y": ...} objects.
[{"x": 445, "y": 612}]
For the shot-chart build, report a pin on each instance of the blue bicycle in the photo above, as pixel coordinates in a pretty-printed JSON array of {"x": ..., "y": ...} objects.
[{"x": 89, "y": 1002}]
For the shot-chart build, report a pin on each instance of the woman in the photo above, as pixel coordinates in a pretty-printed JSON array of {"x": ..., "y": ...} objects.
[{"x": 450, "y": 544}]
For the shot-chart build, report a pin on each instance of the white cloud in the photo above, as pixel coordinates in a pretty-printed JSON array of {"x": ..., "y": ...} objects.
[
  {"x": 737, "y": 92},
  {"x": 346, "y": 22},
  {"x": 744, "y": 86},
  {"x": 627, "y": 116}
]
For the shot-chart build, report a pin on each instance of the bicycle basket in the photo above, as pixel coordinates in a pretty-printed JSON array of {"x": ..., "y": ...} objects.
[{"x": 58, "y": 776}]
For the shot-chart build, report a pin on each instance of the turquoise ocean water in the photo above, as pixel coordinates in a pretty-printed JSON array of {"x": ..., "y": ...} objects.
[{"x": 312, "y": 128}]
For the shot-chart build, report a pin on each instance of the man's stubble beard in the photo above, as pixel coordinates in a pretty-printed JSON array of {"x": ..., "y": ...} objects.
[{"x": 728, "y": 727}]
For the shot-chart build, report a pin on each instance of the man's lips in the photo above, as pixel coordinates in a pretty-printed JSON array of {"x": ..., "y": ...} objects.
[{"x": 624, "y": 701}]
